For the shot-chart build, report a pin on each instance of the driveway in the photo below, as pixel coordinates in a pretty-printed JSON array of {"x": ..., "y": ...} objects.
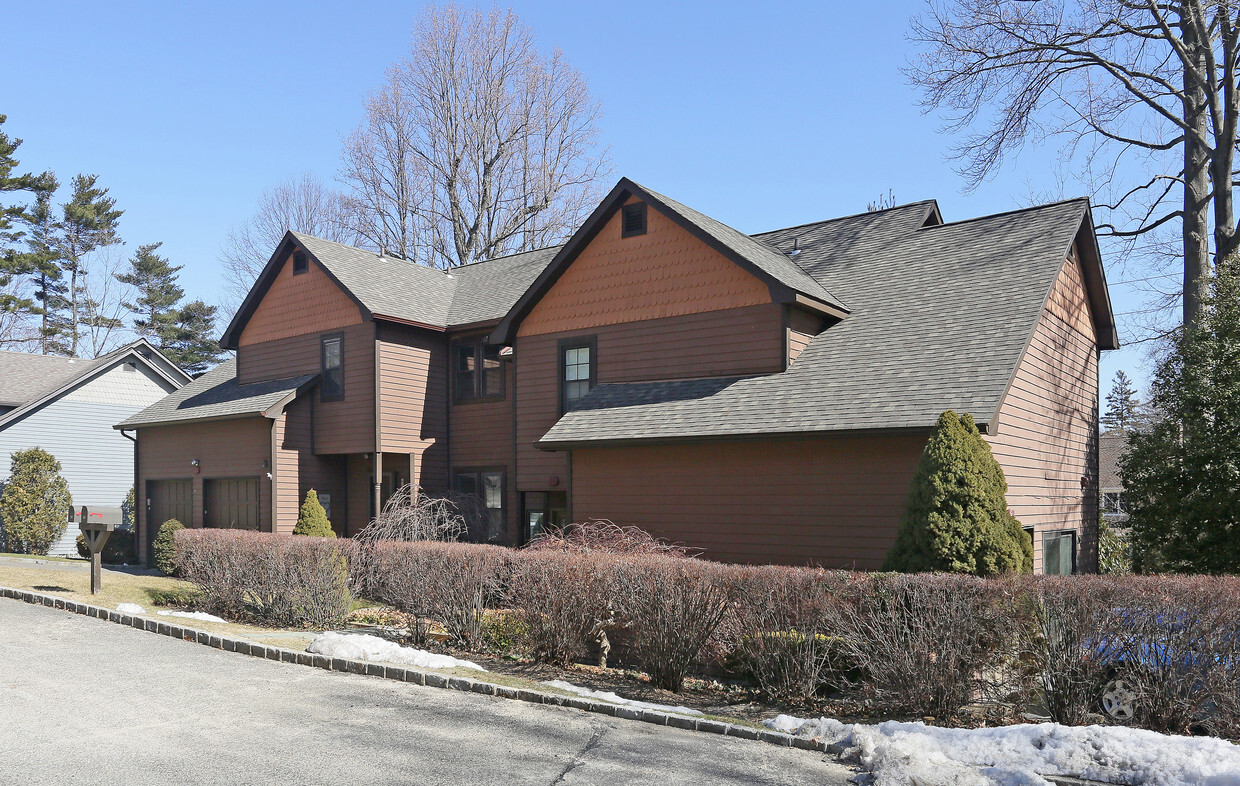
[{"x": 85, "y": 701}]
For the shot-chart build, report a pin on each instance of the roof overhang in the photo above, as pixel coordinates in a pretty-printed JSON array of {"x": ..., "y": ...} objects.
[
  {"x": 506, "y": 331},
  {"x": 695, "y": 439},
  {"x": 1096, "y": 282}
]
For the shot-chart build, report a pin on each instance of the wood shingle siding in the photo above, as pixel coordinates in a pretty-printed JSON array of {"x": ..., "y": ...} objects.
[
  {"x": 309, "y": 302},
  {"x": 834, "y": 502},
  {"x": 1046, "y": 438},
  {"x": 665, "y": 272}
]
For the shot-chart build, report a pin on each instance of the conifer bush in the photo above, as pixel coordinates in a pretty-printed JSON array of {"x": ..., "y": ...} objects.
[
  {"x": 957, "y": 519},
  {"x": 312, "y": 520},
  {"x": 164, "y": 554},
  {"x": 35, "y": 503}
]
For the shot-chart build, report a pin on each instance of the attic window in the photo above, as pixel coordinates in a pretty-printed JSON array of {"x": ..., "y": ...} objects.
[
  {"x": 633, "y": 219},
  {"x": 300, "y": 263}
]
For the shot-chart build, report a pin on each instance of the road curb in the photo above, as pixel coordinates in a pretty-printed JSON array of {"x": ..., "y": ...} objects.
[{"x": 428, "y": 679}]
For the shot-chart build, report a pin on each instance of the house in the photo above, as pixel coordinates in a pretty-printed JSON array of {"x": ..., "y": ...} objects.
[
  {"x": 67, "y": 406},
  {"x": 1111, "y": 447},
  {"x": 765, "y": 398}
]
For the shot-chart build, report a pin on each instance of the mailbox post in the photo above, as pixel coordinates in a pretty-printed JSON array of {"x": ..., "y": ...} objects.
[{"x": 96, "y": 534}]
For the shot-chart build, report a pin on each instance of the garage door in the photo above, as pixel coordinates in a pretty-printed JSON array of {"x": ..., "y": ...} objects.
[
  {"x": 231, "y": 503},
  {"x": 168, "y": 499}
]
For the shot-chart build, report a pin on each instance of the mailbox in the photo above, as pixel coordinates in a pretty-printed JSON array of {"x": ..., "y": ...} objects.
[{"x": 96, "y": 533}]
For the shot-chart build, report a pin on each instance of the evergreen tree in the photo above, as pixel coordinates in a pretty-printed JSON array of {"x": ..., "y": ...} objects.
[
  {"x": 1123, "y": 406},
  {"x": 90, "y": 223},
  {"x": 1182, "y": 473},
  {"x": 34, "y": 502},
  {"x": 154, "y": 307},
  {"x": 191, "y": 344},
  {"x": 957, "y": 519},
  {"x": 312, "y": 519},
  {"x": 13, "y": 217}
]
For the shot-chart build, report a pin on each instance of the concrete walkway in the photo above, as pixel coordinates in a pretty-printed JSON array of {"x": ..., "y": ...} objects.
[{"x": 85, "y": 701}]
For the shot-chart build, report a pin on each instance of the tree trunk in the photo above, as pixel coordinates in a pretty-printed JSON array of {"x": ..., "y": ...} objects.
[{"x": 1196, "y": 173}]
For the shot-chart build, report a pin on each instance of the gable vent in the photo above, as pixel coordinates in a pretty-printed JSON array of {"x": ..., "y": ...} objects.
[{"x": 633, "y": 219}]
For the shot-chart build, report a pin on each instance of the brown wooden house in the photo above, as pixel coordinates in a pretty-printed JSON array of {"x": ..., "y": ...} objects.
[{"x": 764, "y": 398}]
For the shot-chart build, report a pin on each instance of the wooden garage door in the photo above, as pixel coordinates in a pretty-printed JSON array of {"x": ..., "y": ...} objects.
[
  {"x": 231, "y": 503},
  {"x": 168, "y": 499}
]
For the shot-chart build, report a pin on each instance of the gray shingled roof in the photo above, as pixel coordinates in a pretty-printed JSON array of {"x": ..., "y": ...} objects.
[
  {"x": 486, "y": 291},
  {"x": 940, "y": 316},
  {"x": 1110, "y": 448},
  {"x": 25, "y": 377},
  {"x": 760, "y": 254},
  {"x": 217, "y": 396}
]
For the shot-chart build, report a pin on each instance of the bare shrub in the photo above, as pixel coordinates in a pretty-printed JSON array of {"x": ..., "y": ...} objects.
[
  {"x": 277, "y": 580},
  {"x": 411, "y": 514},
  {"x": 926, "y": 644},
  {"x": 565, "y": 602},
  {"x": 780, "y": 631},
  {"x": 452, "y": 583},
  {"x": 673, "y": 607},
  {"x": 601, "y": 535}
]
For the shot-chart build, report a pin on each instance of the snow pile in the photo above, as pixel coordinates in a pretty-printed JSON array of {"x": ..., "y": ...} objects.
[
  {"x": 902, "y": 753},
  {"x": 130, "y": 608},
  {"x": 357, "y": 646},
  {"x": 192, "y": 615},
  {"x": 608, "y": 696}
]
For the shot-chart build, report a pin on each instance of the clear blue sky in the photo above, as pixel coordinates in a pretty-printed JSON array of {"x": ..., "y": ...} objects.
[{"x": 762, "y": 116}]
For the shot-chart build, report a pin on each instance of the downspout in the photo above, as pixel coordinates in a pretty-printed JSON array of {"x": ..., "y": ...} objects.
[{"x": 271, "y": 474}]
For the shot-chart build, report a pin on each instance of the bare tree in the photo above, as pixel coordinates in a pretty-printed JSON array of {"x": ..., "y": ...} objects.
[
  {"x": 476, "y": 146},
  {"x": 301, "y": 203},
  {"x": 1144, "y": 86},
  {"x": 101, "y": 295},
  {"x": 19, "y": 329}
]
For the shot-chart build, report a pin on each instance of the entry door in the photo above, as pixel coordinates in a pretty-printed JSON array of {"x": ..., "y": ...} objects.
[
  {"x": 231, "y": 503},
  {"x": 168, "y": 499}
]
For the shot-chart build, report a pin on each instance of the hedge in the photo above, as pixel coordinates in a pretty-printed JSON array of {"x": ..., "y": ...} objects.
[{"x": 903, "y": 645}]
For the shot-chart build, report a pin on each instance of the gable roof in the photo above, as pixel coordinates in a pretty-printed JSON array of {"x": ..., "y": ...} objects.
[
  {"x": 216, "y": 395},
  {"x": 28, "y": 381},
  {"x": 788, "y": 282},
  {"x": 941, "y": 315},
  {"x": 1111, "y": 448}
]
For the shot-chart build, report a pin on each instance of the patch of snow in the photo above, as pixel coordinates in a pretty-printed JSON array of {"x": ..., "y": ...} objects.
[
  {"x": 130, "y": 608},
  {"x": 1020, "y": 755},
  {"x": 192, "y": 615},
  {"x": 608, "y": 696},
  {"x": 359, "y": 646}
]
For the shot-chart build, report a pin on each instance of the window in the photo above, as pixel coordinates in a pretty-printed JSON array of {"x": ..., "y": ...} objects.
[
  {"x": 486, "y": 522},
  {"x": 477, "y": 370},
  {"x": 1059, "y": 553},
  {"x": 331, "y": 379},
  {"x": 633, "y": 219},
  {"x": 578, "y": 370},
  {"x": 301, "y": 263},
  {"x": 1113, "y": 502}
]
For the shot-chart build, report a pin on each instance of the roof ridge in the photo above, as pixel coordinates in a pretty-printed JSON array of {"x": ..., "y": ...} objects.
[
  {"x": 507, "y": 256},
  {"x": 844, "y": 218},
  {"x": 1014, "y": 211},
  {"x": 376, "y": 254}
]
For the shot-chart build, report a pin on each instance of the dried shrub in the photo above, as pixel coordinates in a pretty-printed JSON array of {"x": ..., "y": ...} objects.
[
  {"x": 672, "y": 607},
  {"x": 783, "y": 641},
  {"x": 603, "y": 536},
  {"x": 927, "y": 644},
  {"x": 565, "y": 603},
  {"x": 452, "y": 583},
  {"x": 278, "y": 580},
  {"x": 411, "y": 515}
]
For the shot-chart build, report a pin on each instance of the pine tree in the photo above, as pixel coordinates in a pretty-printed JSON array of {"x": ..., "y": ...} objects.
[
  {"x": 957, "y": 519},
  {"x": 154, "y": 307},
  {"x": 1182, "y": 474},
  {"x": 13, "y": 217},
  {"x": 34, "y": 502},
  {"x": 90, "y": 223},
  {"x": 312, "y": 519},
  {"x": 191, "y": 344},
  {"x": 1123, "y": 406}
]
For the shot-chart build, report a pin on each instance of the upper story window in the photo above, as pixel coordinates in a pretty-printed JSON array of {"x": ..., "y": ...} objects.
[
  {"x": 578, "y": 370},
  {"x": 477, "y": 371},
  {"x": 633, "y": 219},
  {"x": 301, "y": 263},
  {"x": 331, "y": 378}
]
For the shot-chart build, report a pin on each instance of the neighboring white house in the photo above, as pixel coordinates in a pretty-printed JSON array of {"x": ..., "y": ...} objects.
[
  {"x": 67, "y": 406},
  {"x": 1112, "y": 504}
]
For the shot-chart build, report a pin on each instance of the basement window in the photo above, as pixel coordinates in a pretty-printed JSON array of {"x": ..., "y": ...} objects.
[
  {"x": 301, "y": 263},
  {"x": 1059, "y": 553},
  {"x": 633, "y": 219}
]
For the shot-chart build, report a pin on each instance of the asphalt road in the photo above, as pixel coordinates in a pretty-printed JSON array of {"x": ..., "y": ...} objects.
[{"x": 86, "y": 701}]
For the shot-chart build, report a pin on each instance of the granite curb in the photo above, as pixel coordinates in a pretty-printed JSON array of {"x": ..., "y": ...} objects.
[{"x": 428, "y": 679}]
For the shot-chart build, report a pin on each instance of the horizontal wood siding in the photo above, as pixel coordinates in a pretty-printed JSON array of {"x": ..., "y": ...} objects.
[
  {"x": 413, "y": 415},
  {"x": 802, "y": 327},
  {"x": 224, "y": 449},
  {"x": 1047, "y": 435},
  {"x": 665, "y": 272},
  {"x": 833, "y": 502},
  {"x": 298, "y": 304},
  {"x": 298, "y": 470},
  {"x": 345, "y": 426}
]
